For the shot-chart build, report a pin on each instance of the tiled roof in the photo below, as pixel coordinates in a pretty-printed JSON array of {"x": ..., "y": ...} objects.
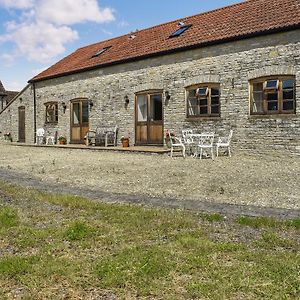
[
  {"x": 7, "y": 96},
  {"x": 249, "y": 18}
]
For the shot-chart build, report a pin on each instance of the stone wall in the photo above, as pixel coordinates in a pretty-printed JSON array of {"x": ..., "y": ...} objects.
[{"x": 231, "y": 64}]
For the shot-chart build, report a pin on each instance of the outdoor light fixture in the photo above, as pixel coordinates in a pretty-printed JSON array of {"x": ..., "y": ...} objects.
[
  {"x": 126, "y": 101},
  {"x": 64, "y": 107},
  {"x": 167, "y": 97},
  {"x": 91, "y": 103}
]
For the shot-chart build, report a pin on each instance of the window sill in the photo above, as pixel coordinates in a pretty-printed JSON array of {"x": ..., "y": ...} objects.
[
  {"x": 51, "y": 123},
  {"x": 203, "y": 119},
  {"x": 273, "y": 116}
]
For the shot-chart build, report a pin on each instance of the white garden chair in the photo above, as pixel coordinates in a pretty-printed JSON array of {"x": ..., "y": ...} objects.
[
  {"x": 206, "y": 143},
  {"x": 40, "y": 136},
  {"x": 188, "y": 139},
  {"x": 224, "y": 142},
  {"x": 176, "y": 143}
]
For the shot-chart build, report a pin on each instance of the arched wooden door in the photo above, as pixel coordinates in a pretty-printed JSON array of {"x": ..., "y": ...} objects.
[
  {"x": 79, "y": 120},
  {"x": 149, "y": 123}
]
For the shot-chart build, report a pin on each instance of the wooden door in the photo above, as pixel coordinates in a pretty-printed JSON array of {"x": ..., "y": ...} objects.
[
  {"x": 79, "y": 120},
  {"x": 149, "y": 119},
  {"x": 21, "y": 137}
]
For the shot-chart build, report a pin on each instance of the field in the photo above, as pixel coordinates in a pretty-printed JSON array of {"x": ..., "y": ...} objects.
[{"x": 67, "y": 247}]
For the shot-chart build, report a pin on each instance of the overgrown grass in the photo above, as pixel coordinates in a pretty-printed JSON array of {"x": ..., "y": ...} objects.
[
  {"x": 268, "y": 222},
  {"x": 58, "y": 246}
]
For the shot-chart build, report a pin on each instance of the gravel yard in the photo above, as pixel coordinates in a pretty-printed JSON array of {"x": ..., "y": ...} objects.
[{"x": 270, "y": 180}]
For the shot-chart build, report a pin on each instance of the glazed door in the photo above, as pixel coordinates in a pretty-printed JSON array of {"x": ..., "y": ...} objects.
[
  {"x": 149, "y": 119},
  {"x": 79, "y": 120},
  {"x": 21, "y": 114}
]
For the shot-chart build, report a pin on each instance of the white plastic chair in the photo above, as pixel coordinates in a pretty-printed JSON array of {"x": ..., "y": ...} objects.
[
  {"x": 224, "y": 142},
  {"x": 177, "y": 143},
  {"x": 206, "y": 142},
  {"x": 40, "y": 135}
]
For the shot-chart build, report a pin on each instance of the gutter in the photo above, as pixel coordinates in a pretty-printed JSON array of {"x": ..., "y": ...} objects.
[
  {"x": 34, "y": 112},
  {"x": 170, "y": 51}
]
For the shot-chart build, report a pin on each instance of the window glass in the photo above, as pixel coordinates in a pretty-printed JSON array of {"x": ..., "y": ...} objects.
[
  {"x": 156, "y": 108},
  {"x": 76, "y": 113},
  {"x": 288, "y": 84},
  {"x": 85, "y": 112},
  {"x": 180, "y": 31},
  {"x": 142, "y": 108},
  {"x": 288, "y": 105},
  {"x": 52, "y": 112},
  {"x": 271, "y": 84}
]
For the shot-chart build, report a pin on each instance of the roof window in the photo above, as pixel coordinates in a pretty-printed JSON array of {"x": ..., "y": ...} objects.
[
  {"x": 101, "y": 51},
  {"x": 180, "y": 31}
]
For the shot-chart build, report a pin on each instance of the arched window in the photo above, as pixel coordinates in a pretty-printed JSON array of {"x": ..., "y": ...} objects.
[
  {"x": 203, "y": 100},
  {"x": 273, "y": 95}
]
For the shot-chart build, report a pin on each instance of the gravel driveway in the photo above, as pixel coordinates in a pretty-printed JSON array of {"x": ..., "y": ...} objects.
[{"x": 245, "y": 181}]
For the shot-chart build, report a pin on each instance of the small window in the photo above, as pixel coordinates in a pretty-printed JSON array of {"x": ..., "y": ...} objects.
[
  {"x": 180, "y": 31},
  {"x": 273, "y": 95},
  {"x": 203, "y": 101},
  {"x": 101, "y": 51},
  {"x": 271, "y": 84},
  {"x": 51, "y": 112}
]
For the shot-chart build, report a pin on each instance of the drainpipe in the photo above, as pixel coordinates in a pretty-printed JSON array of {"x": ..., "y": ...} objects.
[{"x": 34, "y": 111}]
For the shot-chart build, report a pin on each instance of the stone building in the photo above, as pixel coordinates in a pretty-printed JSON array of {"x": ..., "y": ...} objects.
[
  {"x": 232, "y": 68},
  {"x": 6, "y": 96}
]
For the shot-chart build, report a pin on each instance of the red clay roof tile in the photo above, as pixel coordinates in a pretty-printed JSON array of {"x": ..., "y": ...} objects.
[{"x": 252, "y": 17}]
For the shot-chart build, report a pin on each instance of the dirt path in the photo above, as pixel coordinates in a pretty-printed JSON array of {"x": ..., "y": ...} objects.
[{"x": 190, "y": 204}]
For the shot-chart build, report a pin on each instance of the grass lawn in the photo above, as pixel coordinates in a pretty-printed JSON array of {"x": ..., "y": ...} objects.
[{"x": 67, "y": 247}]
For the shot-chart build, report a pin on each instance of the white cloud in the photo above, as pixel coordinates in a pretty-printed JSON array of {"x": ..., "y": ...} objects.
[
  {"x": 42, "y": 41},
  {"x": 70, "y": 12},
  {"x": 44, "y": 27},
  {"x": 18, "y": 4}
]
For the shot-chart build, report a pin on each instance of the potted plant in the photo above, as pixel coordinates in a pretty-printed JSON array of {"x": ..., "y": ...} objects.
[
  {"x": 8, "y": 137},
  {"x": 125, "y": 141},
  {"x": 62, "y": 140}
]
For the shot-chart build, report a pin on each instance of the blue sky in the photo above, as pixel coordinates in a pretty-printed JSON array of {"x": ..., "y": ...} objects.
[{"x": 34, "y": 34}]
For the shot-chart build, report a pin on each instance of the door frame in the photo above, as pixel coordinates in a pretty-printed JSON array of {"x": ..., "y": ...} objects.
[
  {"x": 81, "y": 125},
  {"x": 149, "y": 93}
]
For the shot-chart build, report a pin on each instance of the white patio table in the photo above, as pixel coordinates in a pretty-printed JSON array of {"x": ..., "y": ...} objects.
[{"x": 202, "y": 141}]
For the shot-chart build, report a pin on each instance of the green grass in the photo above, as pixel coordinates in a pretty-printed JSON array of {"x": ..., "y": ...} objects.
[
  {"x": 53, "y": 243},
  {"x": 8, "y": 217}
]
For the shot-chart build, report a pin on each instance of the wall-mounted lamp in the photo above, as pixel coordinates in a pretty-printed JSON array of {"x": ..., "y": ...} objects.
[
  {"x": 167, "y": 97},
  {"x": 64, "y": 107},
  {"x": 126, "y": 101},
  {"x": 21, "y": 99},
  {"x": 91, "y": 103}
]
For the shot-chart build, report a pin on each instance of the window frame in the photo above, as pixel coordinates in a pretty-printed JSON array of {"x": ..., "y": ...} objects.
[
  {"x": 209, "y": 104},
  {"x": 54, "y": 116},
  {"x": 266, "y": 90},
  {"x": 181, "y": 30}
]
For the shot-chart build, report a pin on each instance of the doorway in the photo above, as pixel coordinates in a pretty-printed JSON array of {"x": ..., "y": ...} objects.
[
  {"x": 149, "y": 119},
  {"x": 21, "y": 134},
  {"x": 79, "y": 120}
]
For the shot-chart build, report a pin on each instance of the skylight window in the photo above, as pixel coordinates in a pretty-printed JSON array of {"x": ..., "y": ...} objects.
[
  {"x": 180, "y": 31},
  {"x": 101, "y": 51}
]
